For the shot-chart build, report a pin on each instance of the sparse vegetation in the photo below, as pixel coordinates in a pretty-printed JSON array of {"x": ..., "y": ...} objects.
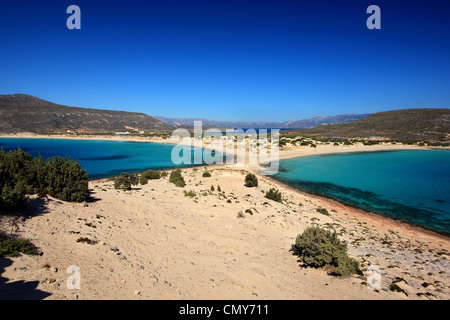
[
  {"x": 394, "y": 287},
  {"x": 177, "y": 179},
  {"x": 206, "y": 174},
  {"x": 86, "y": 240},
  {"x": 149, "y": 175},
  {"x": 274, "y": 194},
  {"x": 190, "y": 193},
  {"x": 319, "y": 248},
  {"x": 251, "y": 180},
  {"x": 323, "y": 211},
  {"x": 12, "y": 247},
  {"x": 164, "y": 174},
  {"x": 125, "y": 181}
]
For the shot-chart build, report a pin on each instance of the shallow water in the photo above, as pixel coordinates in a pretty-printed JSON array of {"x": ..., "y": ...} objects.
[
  {"x": 410, "y": 185},
  {"x": 100, "y": 158}
]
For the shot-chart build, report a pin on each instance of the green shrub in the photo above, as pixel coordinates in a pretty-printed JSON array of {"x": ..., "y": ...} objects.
[
  {"x": 274, "y": 194},
  {"x": 63, "y": 178},
  {"x": 66, "y": 179},
  {"x": 190, "y": 193},
  {"x": 206, "y": 174},
  {"x": 149, "y": 175},
  {"x": 152, "y": 174},
  {"x": 176, "y": 178},
  {"x": 251, "y": 180},
  {"x": 12, "y": 196},
  {"x": 11, "y": 247},
  {"x": 218, "y": 189},
  {"x": 14, "y": 178},
  {"x": 212, "y": 188},
  {"x": 323, "y": 211},
  {"x": 319, "y": 248},
  {"x": 125, "y": 181},
  {"x": 143, "y": 179}
]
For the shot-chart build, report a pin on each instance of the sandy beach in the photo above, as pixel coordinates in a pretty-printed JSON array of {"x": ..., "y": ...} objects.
[
  {"x": 284, "y": 153},
  {"x": 153, "y": 242}
]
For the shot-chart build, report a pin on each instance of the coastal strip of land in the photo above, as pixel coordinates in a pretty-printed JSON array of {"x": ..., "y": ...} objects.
[{"x": 216, "y": 239}]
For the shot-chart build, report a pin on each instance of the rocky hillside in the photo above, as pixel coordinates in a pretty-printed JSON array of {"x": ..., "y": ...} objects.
[
  {"x": 25, "y": 113},
  {"x": 406, "y": 124}
]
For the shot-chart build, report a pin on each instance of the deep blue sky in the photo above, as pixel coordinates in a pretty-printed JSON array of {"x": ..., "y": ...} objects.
[{"x": 229, "y": 59}]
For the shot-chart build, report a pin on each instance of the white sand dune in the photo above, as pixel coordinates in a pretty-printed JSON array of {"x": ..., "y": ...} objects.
[{"x": 155, "y": 243}]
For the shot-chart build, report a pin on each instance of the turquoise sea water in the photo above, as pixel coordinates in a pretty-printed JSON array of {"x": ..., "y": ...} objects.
[
  {"x": 100, "y": 158},
  {"x": 412, "y": 185}
]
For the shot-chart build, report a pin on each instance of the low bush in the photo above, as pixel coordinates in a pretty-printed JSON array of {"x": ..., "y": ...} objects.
[
  {"x": 125, "y": 181},
  {"x": 251, "y": 180},
  {"x": 12, "y": 195},
  {"x": 11, "y": 247},
  {"x": 206, "y": 174},
  {"x": 190, "y": 193},
  {"x": 86, "y": 240},
  {"x": 319, "y": 248},
  {"x": 323, "y": 211},
  {"x": 149, "y": 175},
  {"x": 21, "y": 174},
  {"x": 176, "y": 178},
  {"x": 152, "y": 174},
  {"x": 66, "y": 179},
  {"x": 274, "y": 194},
  {"x": 143, "y": 179}
]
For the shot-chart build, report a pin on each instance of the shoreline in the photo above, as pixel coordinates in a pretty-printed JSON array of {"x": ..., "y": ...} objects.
[
  {"x": 284, "y": 153},
  {"x": 155, "y": 242},
  {"x": 288, "y": 153},
  {"x": 370, "y": 214}
]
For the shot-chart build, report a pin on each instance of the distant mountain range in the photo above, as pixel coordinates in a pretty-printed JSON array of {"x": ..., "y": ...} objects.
[
  {"x": 293, "y": 124},
  {"x": 403, "y": 125},
  {"x": 25, "y": 113}
]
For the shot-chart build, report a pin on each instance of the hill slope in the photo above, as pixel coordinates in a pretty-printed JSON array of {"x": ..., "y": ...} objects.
[
  {"x": 406, "y": 124},
  {"x": 25, "y": 113}
]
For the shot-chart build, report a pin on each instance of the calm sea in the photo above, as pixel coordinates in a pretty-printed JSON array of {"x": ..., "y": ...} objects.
[
  {"x": 100, "y": 158},
  {"x": 412, "y": 186}
]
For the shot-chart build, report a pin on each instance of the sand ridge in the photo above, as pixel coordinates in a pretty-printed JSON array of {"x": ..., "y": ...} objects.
[{"x": 153, "y": 242}]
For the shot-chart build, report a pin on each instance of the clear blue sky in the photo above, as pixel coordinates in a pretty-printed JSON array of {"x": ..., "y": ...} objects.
[{"x": 229, "y": 59}]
